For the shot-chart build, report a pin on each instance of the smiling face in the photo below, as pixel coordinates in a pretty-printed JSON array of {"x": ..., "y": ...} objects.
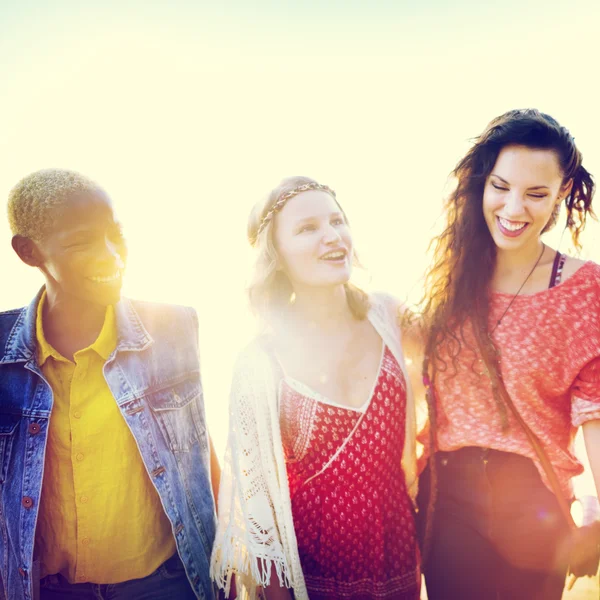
[
  {"x": 83, "y": 257},
  {"x": 520, "y": 194},
  {"x": 313, "y": 241}
]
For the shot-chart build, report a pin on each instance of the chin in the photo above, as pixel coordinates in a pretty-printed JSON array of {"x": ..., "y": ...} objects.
[
  {"x": 104, "y": 299},
  {"x": 510, "y": 246},
  {"x": 339, "y": 281},
  {"x": 504, "y": 243},
  {"x": 112, "y": 299}
]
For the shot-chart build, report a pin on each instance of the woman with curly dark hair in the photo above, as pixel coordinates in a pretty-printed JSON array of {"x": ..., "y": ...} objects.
[{"x": 512, "y": 367}]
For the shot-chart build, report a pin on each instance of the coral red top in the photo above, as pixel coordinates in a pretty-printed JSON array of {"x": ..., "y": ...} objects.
[{"x": 549, "y": 345}]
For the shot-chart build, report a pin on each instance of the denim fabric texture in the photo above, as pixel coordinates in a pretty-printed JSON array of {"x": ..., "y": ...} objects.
[
  {"x": 154, "y": 377},
  {"x": 168, "y": 582}
]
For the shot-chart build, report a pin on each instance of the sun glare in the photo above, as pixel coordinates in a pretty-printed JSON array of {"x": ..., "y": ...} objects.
[{"x": 186, "y": 128}]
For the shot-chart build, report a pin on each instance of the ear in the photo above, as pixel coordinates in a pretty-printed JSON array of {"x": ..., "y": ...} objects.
[
  {"x": 565, "y": 190},
  {"x": 27, "y": 251}
]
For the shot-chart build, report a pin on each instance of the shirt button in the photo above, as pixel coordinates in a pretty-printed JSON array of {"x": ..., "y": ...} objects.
[
  {"x": 34, "y": 428},
  {"x": 84, "y": 499},
  {"x": 27, "y": 501},
  {"x": 77, "y": 415},
  {"x": 79, "y": 456},
  {"x": 81, "y": 577},
  {"x": 85, "y": 541}
]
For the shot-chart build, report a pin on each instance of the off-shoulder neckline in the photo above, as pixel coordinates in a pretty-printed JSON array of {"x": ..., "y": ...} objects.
[{"x": 565, "y": 283}]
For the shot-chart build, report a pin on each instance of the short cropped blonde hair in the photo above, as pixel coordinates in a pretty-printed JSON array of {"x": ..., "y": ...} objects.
[
  {"x": 34, "y": 203},
  {"x": 270, "y": 290}
]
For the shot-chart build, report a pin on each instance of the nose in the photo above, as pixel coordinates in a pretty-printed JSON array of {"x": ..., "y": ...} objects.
[
  {"x": 514, "y": 204},
  {"x": 114, "y": 252},
  {"x": 331, "y": 235}
]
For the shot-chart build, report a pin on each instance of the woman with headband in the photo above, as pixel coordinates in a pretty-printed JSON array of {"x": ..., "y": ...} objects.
[
  {"x": 320, "y": 465},
  {"x": 512, "y": 367}
]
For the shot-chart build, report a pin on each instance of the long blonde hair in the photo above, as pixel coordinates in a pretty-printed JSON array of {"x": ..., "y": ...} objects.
[{"x": 270, "y": 290}]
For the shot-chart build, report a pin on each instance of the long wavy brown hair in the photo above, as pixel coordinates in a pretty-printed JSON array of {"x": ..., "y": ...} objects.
[{"x": 457, "y": 283}]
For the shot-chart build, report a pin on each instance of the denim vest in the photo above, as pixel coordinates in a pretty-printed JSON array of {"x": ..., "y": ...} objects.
[{"x": 154, "y": 376}]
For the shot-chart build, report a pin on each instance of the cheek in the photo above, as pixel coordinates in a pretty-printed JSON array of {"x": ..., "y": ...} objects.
[
  {"x": 59, "y": 270},
  {"x": 122, "y": 250},
  {"x": 491, "y": 202},
  {"x": 72, "y": 266},
  {"x": 543, "y": 213},
  {"x": 346, "y": 236},
  {"x": 292, "y": 256}
]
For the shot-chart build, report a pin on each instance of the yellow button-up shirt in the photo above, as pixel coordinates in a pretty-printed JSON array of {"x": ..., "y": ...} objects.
[{"x": 100, "y": 520}]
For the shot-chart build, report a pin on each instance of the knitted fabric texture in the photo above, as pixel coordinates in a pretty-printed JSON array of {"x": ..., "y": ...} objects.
[{"x": 255, "y": 533}]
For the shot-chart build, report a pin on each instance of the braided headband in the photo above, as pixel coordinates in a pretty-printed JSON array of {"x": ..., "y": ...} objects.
[{"x": 285, "y": 197}]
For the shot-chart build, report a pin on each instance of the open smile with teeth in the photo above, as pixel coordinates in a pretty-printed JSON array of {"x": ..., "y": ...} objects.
[
  {"x": 106, "y": 279},
  {"x": 335, "y": 255},
  {"x": 512, "y": 225}
]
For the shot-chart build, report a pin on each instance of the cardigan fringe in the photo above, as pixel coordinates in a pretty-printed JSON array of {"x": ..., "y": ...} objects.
[{"x": 255, "y": 532}]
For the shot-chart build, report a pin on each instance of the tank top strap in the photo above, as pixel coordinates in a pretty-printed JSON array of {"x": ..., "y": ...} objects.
[{"x": 557, "y": 269}]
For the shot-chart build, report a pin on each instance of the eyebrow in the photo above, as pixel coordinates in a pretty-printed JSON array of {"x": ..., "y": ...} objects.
[
  {"x": 533, "y": 187},
  {"x": 313, "y": 217},
  {"x": 90, "y": 230}
]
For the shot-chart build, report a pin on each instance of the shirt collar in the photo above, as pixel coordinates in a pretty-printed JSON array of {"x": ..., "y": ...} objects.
[
  {"x": 44, "y": 349},
  {"x": 103, "y": 346}
]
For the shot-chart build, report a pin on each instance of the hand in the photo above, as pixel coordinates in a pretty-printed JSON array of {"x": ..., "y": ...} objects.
[{"x": 584, "y": 552}]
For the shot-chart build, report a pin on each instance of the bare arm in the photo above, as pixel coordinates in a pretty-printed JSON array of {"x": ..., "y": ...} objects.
[
  {"x": 591, "y": 434},
  {"x": 215, "y": 472},
  {"x": 413, "y": 345}
]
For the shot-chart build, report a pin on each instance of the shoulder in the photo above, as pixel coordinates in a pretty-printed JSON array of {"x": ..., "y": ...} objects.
[
  {"x": 253, "y": 380},
  {"x": 582, "y": 275},
  {"x": 577, "y": 304},
  {"x": 153, "y": 308},
  {"x": 7, "y": 320},
  {"x": 164, "y": 314},
  {"x": 572, "y": 265},
  {"x": 397, "y": 314},
  {"x": 386, "y": 305},
  {"x": 11, "y": 315},
  {"x": 167, "y": 323},
  {"x": 252, "y": 357}
]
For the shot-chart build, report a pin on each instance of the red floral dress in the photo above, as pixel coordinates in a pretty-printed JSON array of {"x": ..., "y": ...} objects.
[{"x": 352, "y": 513}]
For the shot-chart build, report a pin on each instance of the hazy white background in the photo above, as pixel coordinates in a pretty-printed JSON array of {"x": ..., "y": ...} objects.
[{"x": 189, "y": 112}]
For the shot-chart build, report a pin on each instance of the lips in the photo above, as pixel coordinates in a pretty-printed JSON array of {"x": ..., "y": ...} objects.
[
  {"x": 511, "y": 229},
  {"x": 113, "y": 277},
  {"x": 338, "y": 255}
]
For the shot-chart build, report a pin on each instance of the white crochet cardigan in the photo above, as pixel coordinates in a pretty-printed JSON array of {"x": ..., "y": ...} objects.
[{"x": 255, "y": 532}]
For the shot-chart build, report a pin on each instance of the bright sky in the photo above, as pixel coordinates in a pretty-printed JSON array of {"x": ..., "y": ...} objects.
[{"x": 189, "y": 112}]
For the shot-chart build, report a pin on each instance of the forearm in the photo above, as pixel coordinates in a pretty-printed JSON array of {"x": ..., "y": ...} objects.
[
  {"x": 591, "y": 435},
  {"x": 215, "y": 471}
]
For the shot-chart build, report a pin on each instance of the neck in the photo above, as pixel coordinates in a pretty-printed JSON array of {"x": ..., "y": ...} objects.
[
  {"x": 508, "y": 261},
  {"x": 71, "y": 324},
  {"x": 324, "y": 308}
]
